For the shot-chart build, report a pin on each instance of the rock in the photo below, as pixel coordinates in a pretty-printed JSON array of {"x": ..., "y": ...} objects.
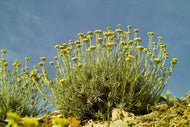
[
  {"x": 119, "y": 123},
  {"x": 120, "y": 114}
]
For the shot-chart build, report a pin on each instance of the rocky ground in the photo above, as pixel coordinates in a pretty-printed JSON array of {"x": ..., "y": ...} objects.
[{"x": 164, "y": 114}]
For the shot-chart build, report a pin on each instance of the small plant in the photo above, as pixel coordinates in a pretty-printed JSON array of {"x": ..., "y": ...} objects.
[
  {"x": 168, "y": 96},
  {"x": 60, "y": 122},
  {"x": 18, "y": 91},
  {"x": 30, "y": 122},
  {"x": 13, "y": 119},
  {"x": 113, "y": 70}
]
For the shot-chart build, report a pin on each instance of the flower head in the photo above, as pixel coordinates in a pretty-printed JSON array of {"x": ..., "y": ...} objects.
[
  {"x": 150, "y": 33},
  {"x": 43, "y": 58},
  {"x": 3, "y": 51}
]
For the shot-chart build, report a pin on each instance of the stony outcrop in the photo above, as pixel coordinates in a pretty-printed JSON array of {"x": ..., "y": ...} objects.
[{"x": 161, "y": 114}]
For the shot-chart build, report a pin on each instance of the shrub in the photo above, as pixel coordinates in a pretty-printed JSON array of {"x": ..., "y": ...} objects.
[
  {"x": 91, "y": 80},
  {"x": 18, "y": 91}
]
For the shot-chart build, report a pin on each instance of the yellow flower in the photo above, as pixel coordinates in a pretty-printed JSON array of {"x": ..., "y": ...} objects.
[
  {"x": 118, "y": 31},
  {"x": 74, "y": 59},
  {"x": 5, "y": 64},
  {"x": 71, "y": 43},
  {"x": 79, "y": 45},
  {"x": 159, "y": 38},
  {"x": 76, "y": 51},
  {"x": 140, "y": 48},
  {"x": 18, "y": 64},
  {"x": 174, "y": 61},
  {"x": 33, "y": 73},
  {"x": 14, "y": 64},
  {"x": 153, "y": 43},
  {"x": 130, "y": 47},
  {"x": 154, "y": 49},
  {"x": 125, "y": 47},
  {"x": 129, "y": 27},
  {"x": 130, "y": 58},
  {"x": 64, "y": 46},
  {"x": 57, "y": 46},
  {"x": 98, "y": 32},
  {"x": 130, "y": 42},
  {"x": 77, "y": 42},
  {"x": 86, "y": 40},
  {"x": 109, "y": 44},
  {"x": 123, "y": 43},
  {"x": 127, "y": 33},
  {"x": 92, "y": 47},
  {"x": 121, "y": 36},
  {"x": 43, "y": 58},
  {"x": 55, "y": 58},
  {"x": 30, "y": 122},
  {"x": 27, "y": 59},
  {"x": 106, "y": 34},
  {"x": 35, "y": 67},
  {"x": 64, "y": 51},
  {"x": 138, "y": 39},
  {"x": 157, "y": 61},
  {"x": 3, "y": 60},
  {"x": 108, "y": 28},
  {"x": 162, "y": 46},
  {"x": 119, "y": 25},
  {"x": 150, "y": 33},
  {"x": 89, "y": 37},
  {"x": 62, "y": 81},
  {"x": 26, "y": 68},
  {"x": 56, "y": 66},
  {"x": 145, "y": 50},
  {"x": 51, "y": 63},
  {"x": 136, "y": 30},
  {"x": 79, "y": 65},
  {"x": 13, "y": 116},
  {"x": 3, "y": 51},
  {"x": 90, "y": 33},
  {"x": 81, "y": 35},
  {"x": 40, "y": 64},
  {"x": 149, "y": 54},
  {"x": 69, "y": 49},
  {"x": 99, "y": 40}
]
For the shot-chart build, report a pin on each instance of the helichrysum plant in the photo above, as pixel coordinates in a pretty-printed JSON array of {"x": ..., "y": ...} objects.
[
  {"x": 104, "y": 70},
  {"x": 18, "y": 91}
]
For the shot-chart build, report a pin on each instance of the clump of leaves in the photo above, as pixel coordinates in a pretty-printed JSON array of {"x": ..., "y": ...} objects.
[
  {"x": 18, "y": 91},
  {"x": 169, "y": 97},
  {"x": 112, "y": 71}
]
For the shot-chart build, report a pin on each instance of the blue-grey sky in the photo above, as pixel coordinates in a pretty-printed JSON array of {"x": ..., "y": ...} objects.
[{"x": 33, "y": 27}]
